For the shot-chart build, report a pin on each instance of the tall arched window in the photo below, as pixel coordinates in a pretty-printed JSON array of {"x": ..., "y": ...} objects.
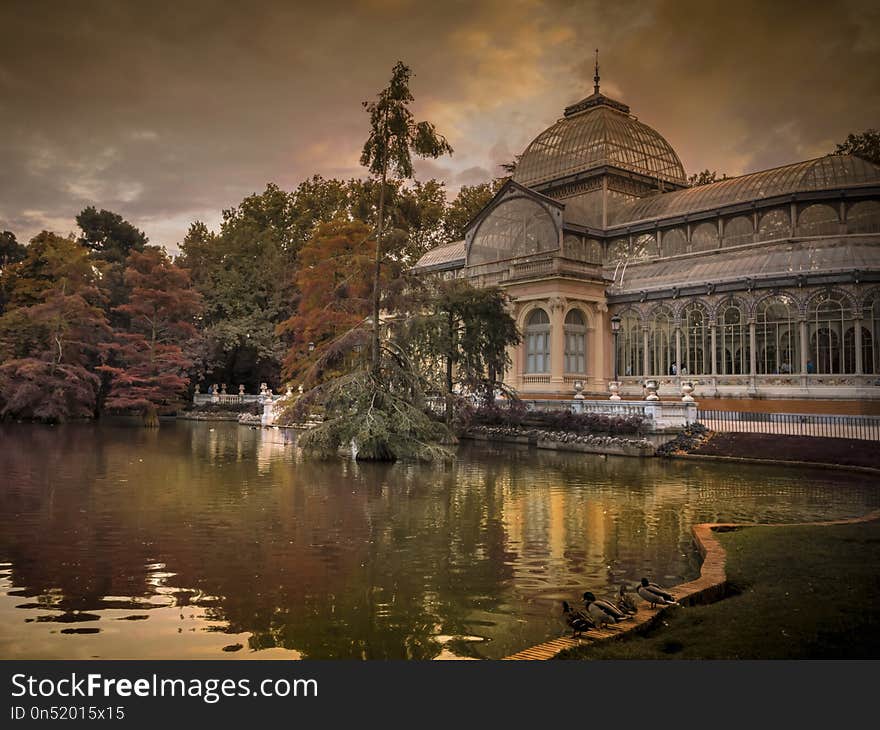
[
  {"x": 872, "y": 315},
  {"x": 696, "y": 357},
  {"x": 575, "y": 343},
  {"x": 661, "y": 342},
  {"x": 630, "y": 346},
  {"x": 537, "y": 336},
  {"x": 830, "y": 351},
  {"x": 778, "y": 336},
  {"x": 732, "y": 341}
]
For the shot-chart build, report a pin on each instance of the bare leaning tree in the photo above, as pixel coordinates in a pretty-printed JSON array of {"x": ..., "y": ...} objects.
[{"x": 394, "y": 137}]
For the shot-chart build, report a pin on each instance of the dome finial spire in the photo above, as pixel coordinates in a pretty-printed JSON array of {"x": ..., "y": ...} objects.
[{"x": 596, "y": 77}]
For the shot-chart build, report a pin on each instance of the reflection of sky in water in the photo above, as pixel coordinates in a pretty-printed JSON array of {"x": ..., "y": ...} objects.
[{"x": 204, "y": 540}]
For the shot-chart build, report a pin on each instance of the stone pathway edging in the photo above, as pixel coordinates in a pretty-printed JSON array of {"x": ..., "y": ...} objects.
[{"x": 711, "y": 586}]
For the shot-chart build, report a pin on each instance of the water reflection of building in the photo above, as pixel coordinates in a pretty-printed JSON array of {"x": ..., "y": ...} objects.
[{"x": 763, "y": 285}]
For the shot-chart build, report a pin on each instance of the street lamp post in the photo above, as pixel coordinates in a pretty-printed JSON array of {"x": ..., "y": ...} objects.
[{"x": 615, "y": 384}]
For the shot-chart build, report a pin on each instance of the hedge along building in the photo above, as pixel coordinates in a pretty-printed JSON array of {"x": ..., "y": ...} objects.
[{"x": 759, "y": 287}]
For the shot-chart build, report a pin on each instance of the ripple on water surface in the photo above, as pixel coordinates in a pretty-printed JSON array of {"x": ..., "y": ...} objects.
[{"x": 210, "y": 540}]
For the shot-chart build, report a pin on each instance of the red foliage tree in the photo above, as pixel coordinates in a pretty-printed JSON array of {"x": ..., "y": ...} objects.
[
  {"x": 51, "y": 336},
  {"x": 334, "y": 281},
  {"x": 149, "y": 360}
]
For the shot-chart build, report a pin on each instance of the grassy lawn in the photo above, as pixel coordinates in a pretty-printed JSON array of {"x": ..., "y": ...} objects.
[{"x": 799, "y": 592}]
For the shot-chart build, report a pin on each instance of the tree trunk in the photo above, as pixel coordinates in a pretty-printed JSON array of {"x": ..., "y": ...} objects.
[
  {"x": 151, "y": 417},
  {"x": 376, "y": 273},
  {"x": 449, "y": 399}
]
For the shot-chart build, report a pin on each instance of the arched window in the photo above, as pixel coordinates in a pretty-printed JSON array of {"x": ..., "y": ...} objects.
[
  {"x": 516, "y": 227},
  {"x": 732, "y": 341},
  {"x": 738, "y": 230},
  {"x": 696, "y": 357},
  {"x": 537, "y": 336},
  {"x": 863, "y": 217},
  {"x": 661, "y": 342},
  {"x": 704, "y": 237},
  {"x": 830, "y": 351},
  {"x": 872, "y": 314},
  {"x": 778, "y": 336},
  {"x": 630, "y": 346},
  {"x": 575, "y": 343},
  {"x": 849, "y": 350},
  {"x": 674, "y": 242},
  {"x": 818, "y": 219},
  {"x": 618, "y": 251},
  {"x": 774, "y": 223},
  {"x": 644, "y": 247}
]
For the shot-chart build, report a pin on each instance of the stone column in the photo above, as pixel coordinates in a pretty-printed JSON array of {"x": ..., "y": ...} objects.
[
  {"x": 645, "y": 358},
  {"x": 714, "y": 355}
]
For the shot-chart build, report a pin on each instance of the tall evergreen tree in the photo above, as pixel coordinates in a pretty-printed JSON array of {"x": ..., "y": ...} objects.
[{"x": 394, "y": 137}]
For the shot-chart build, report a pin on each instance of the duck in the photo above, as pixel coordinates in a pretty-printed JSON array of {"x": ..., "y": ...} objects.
[
  {"x": 602, "y": 612},
  {"x": 654, "y": 594},
  {"x": 576, "y": 620},
  {"x": 626, "y": 601}
]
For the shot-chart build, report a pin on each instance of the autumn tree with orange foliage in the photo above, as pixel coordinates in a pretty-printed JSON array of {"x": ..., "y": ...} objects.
[
  {"x": 335, "y": 286},
  {"x": 149, "y": 359}
]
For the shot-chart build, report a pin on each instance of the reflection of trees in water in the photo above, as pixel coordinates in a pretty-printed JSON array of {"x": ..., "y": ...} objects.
[{"x": 340, "y": 559}]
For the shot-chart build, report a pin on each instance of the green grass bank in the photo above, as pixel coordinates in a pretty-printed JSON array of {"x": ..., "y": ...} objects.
[{"x": 797, "y": 592}]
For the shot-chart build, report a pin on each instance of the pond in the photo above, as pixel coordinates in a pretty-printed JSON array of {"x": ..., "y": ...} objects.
[{"x": 212, "y": 540}]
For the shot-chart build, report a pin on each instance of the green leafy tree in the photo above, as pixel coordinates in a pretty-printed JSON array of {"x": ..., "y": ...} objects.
[
  {"x": 705, "y": 177},
  {"x": 465, "y": 328},
  {"x": 394, "y": 137},
  {"x": 11, "y": 251},
  {"x": 471, "y": 199},
  {"x": 865, "y": 145},
  {"x": 245, "y": 274},
  {"x": 109, "y": 235}
]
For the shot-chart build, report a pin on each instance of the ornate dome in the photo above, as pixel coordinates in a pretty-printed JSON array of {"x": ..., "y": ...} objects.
[{"x": 598, "y": 131}]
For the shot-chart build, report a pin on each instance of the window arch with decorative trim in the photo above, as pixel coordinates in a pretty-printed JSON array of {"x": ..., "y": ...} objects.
[
  {"x": 831, "y": 351},
  {"x": 661, "y": 342},
  {"x": 630, "y": 345},
  {"x": 704, "y": 237},
  {"x": 732, "y": 340},
  {"x": 777, "y": 336},
  {"x": 537, "y": 341},
  {"x": 696, "y": 341},
  {"x": 871, "y": 318}
]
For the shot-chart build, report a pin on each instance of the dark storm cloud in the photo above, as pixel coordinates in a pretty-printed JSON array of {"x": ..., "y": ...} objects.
[{"x": 168, "y": 112}]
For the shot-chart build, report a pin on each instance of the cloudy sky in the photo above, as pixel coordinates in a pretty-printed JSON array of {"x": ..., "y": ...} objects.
[{"x": 170, "y": 112}]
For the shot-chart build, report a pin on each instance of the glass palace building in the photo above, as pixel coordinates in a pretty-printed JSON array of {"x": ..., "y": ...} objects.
[{"x": 760, "y": 289}]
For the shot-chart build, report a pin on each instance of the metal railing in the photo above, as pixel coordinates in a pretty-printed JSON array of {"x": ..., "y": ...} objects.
[{"x": 865, "y": 428}]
